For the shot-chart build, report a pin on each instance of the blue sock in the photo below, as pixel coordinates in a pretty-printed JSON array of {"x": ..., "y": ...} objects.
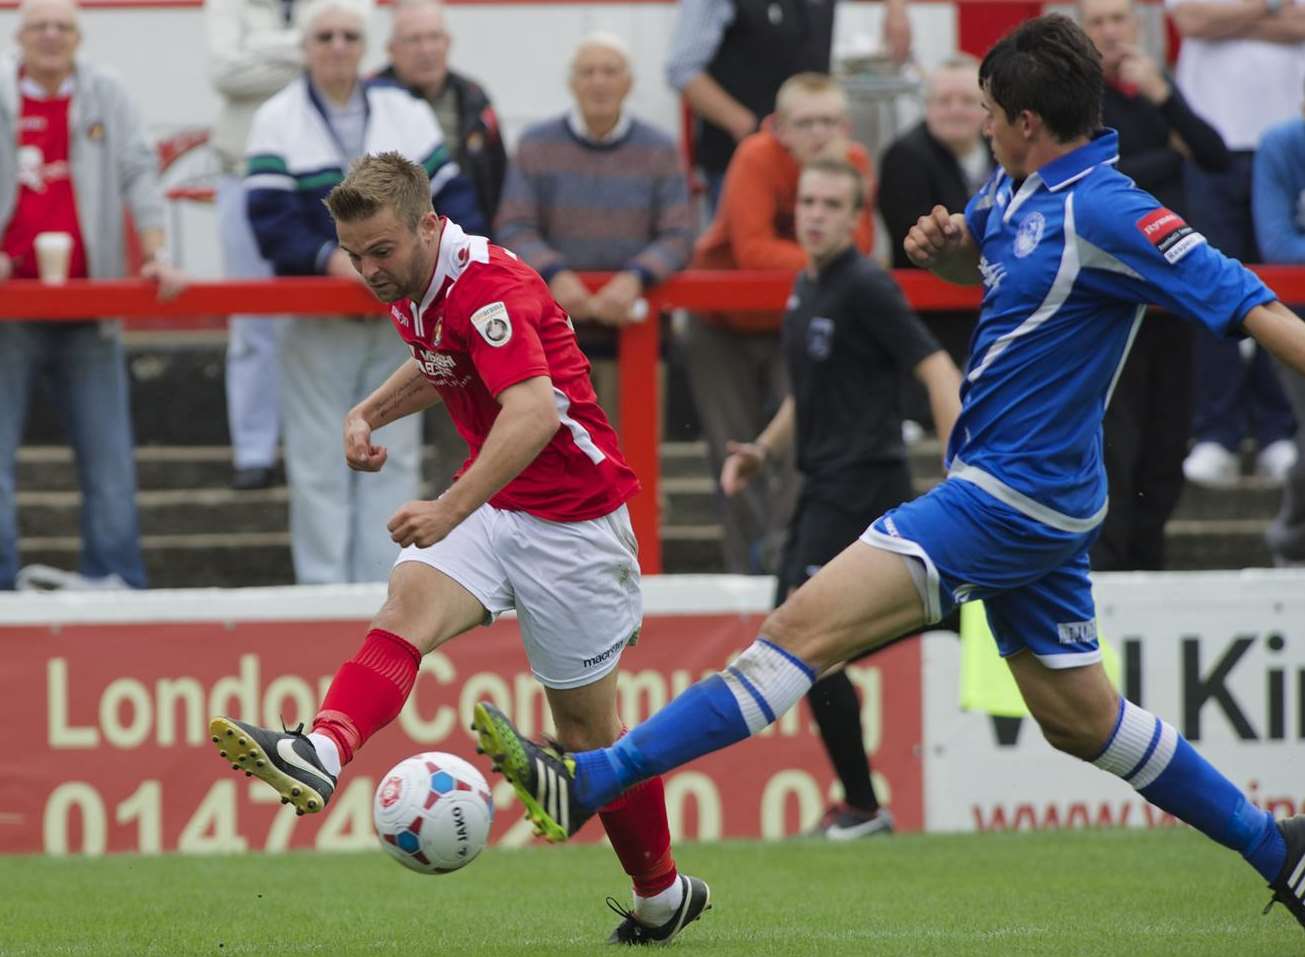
[
  {"x": 761, "y": 684},
  {"x": 1153, "y": 757}
]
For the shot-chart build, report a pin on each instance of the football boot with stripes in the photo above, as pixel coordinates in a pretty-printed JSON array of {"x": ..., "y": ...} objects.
[
  {"x": 543, "y": 776},
  {"x": 632, "y": 932},
  {"x": 286, "y": 760},
  {"x": 1289, "y": 888}
]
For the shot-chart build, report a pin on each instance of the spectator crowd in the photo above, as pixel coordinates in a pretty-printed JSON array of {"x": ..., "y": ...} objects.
[{"x": 1221, "y": 142}]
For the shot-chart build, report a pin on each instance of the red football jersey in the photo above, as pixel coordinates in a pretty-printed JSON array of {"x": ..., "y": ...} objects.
[{"x": 487, "y": 322}]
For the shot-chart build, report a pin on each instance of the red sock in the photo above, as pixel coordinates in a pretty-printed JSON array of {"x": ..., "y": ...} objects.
[
  {"x": 368, "y": 691},
  {"x": 636, "y": 825}
]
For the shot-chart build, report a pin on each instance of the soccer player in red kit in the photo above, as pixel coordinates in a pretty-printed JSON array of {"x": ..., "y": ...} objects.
[{"x": 535, "y": 520}]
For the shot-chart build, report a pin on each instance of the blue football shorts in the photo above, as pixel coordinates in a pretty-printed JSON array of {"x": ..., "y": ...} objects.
[{"x": 1032, "y": 578}]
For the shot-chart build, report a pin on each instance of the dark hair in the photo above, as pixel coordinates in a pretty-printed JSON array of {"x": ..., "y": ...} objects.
[
  {"x": 381, "y": 181},
  {"x": 838, "y": 167},
  {"x": 1047, "y": 66}
]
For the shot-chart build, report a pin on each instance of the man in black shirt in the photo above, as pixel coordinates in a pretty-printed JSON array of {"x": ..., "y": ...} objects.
[
  {"x": 1149, "y": 418},
  {"x": 848, "y": 334}
]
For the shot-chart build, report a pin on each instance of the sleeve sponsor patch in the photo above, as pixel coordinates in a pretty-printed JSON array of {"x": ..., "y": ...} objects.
[
  {"x": 493, "y": 324},
  {"x": 1169, "y": 234}
]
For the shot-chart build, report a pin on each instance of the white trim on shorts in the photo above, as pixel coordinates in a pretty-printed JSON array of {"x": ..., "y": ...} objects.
[
  {"x": 1061, "y": 662},
  {"x": 930, "y": 595}
]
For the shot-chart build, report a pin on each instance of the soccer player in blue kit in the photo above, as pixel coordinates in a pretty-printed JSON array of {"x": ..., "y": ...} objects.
[{"x": 1069, "y": 252}]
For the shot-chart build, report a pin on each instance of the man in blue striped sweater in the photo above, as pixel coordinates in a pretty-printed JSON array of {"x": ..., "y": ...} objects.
[{"x": 596, "y": 189}]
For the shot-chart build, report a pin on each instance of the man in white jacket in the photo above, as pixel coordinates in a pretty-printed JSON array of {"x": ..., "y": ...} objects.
[{"x": 301, "y": 143}]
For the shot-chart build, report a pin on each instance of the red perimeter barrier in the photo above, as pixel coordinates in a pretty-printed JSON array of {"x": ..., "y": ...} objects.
[{"x": 639, "y": 348}]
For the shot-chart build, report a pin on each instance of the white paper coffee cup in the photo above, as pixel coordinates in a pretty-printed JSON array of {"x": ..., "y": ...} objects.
[{"x": 53, "y": 253}]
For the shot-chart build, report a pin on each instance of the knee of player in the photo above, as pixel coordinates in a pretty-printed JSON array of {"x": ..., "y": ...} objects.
[
  {"x": 1079, "y": 738},
  {"x": 401, "y": 616},
  {"x": 796, "y": 635}
]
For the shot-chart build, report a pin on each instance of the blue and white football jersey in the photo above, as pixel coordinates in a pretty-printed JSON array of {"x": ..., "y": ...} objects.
[{"x": 1070, "y": 259}]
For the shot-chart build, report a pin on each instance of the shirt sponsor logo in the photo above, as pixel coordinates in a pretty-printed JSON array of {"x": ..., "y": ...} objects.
[
  {"x": 493, "y": 324},
  {"x": 400, "y": 315},
  {"x": 1076, "y": 632},
  {"x": 440, "y": 367},
  {"x": 992, "y": 273},
  {"x": 820, "y": 338},
  {"x": 1029, "y": 234},
  {"x": 1169, "y": 234},
  {"x": 35, "y": 173}
]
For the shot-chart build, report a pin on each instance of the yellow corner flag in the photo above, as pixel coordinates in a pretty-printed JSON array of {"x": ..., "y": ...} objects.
[{"x": 986, "y": 682}]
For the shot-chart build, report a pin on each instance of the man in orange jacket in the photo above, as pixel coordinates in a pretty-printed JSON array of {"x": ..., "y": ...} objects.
[{"x": 733, "y": 359}]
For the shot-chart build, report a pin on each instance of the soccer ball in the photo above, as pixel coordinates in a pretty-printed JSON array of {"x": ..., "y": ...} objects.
[{"x": 432, "y": 812}]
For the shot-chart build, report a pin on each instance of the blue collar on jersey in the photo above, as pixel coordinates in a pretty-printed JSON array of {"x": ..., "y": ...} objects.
[{"x": 1103, "y": 148}]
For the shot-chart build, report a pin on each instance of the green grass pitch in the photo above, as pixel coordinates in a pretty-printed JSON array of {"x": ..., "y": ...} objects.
[{"x": 1109, "y": 893}]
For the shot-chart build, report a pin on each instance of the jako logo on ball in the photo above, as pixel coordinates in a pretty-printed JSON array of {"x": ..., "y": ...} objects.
[{"x": 433, "y": 812}]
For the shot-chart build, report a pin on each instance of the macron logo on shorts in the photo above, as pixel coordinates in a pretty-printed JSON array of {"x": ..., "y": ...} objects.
[
  {"x": 1169, "y": 234},
  {"x": 603, "y": 656}
]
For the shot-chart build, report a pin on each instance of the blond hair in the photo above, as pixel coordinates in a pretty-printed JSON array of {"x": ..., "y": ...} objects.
[
  {"x": 378, "y": 182},
  {"x": 806, "y": 84}
]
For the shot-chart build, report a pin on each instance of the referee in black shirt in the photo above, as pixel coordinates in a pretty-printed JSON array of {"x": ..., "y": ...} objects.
[{"x": 848, "y": 334}]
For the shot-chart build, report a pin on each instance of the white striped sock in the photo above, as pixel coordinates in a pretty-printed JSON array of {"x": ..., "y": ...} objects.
[
  {"x": 1141, "y": 748},
  {"x": 766, "y": 682}
]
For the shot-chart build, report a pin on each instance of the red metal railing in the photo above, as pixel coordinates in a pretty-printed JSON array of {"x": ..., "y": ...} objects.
[{"x": 639, "y": 347}]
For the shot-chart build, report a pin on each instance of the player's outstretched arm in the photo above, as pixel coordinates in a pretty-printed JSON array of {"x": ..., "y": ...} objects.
[
  {"x": 745, "y": 459},
  {"x": 406, "y": 391},
  {"x": 526, "y": 423},
  {"x": 941, "y": 242},
  {"x": 1279, "y": 330}
]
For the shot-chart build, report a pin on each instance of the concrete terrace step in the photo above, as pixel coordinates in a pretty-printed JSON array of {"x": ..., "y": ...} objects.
[
  {"x": 166, "y": 512},
  {"x": 226, "y": 560},
  {"x": 197, "y": 531}
]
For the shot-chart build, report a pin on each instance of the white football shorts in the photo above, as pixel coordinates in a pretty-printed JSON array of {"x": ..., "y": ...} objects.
[{"x": 574, "y": 585}]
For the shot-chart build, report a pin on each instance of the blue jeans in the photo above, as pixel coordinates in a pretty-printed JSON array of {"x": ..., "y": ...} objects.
[
  {"x": 86, "y": 370},
  {"x": 1234, "y": 398}
]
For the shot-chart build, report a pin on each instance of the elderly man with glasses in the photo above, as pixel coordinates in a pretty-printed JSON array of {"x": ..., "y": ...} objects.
[{"x": 300, "y": 146}]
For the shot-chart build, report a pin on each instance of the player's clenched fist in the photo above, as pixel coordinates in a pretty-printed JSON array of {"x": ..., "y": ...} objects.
[
  {"x": 359, "y": 452},
  {"x": 934, "y": 236},
  {"x": 421, "y": 524}
]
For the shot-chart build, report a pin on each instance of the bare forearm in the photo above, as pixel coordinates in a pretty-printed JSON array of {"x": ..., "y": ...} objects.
[
  {"x": 518, "y": 435},
  {"x": 942, "y": 380},
  {"x": 405, "y": 392},
  {"x": 961, "y": 267},
  {"x": 710, "y": 101},
  {"x": 1219, "y": 21},
  {"x": 1281, "y": 331},
  {"x": 151, "y": 242},
  {"x": 777, "y": 437},
  {"x": 1287, "y": 27}
]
